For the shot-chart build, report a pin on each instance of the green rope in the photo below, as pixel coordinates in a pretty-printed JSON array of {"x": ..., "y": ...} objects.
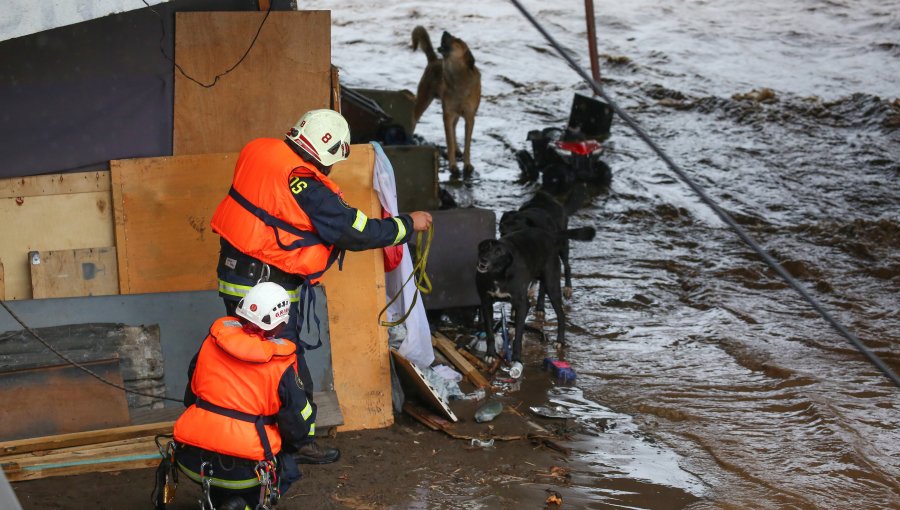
[{"x": 423, "y": 283}]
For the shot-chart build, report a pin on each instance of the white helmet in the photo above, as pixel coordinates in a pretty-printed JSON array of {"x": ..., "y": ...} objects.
[
  {"x": 324, "y": 134},
  {"x": 267, "y": 305}
]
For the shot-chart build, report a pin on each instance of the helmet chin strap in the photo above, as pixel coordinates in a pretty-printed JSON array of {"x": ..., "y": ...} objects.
[{"x": 307, "y": 157}]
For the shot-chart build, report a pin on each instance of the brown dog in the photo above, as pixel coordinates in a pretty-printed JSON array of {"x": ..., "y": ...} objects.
[{"x": 454, "y": 80}]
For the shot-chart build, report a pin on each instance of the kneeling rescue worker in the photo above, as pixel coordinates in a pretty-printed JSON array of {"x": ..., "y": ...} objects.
[
  {"x": 285, "y": 221},
  {"x": 247, "y": 409}
]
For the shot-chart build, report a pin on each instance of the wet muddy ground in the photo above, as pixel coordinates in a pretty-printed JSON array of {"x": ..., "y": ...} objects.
[
  {"x": 704, "y": 381},
  {"x": 411, "y": 466}
]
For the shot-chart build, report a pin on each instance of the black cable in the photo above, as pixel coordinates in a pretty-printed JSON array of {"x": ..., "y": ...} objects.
[
  {"x": 708, "y": 201},
  {"x": 162, "y": 50},
  {"x": 78, "y": 365}
]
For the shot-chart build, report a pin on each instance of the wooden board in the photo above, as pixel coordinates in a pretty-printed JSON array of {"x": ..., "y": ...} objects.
[
  {"x": 335, "y": 89},
  {"x": 359, "y": 347},
  {"x": 114, "y": 456},
  {"x": 61, "y": 399},
  {"x": 92, "y": 437},
  {"x": 409, "y": 372},
  {"x": 286, "y": 73},
  {"x": 54, "y": 184},
  {"x": 69, "y": 273},
  {"x": 448, "y": 349},
  {"x": 48, "y": 213},
  {"x": 162, "y": 211},
  {"x": 328, "y": 411}
]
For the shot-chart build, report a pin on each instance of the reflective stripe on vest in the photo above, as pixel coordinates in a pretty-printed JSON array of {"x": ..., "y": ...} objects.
[
  {"x": 239, "y": 291},
  {"x": 401, "y": 230},
  {"x": 249, "y": 483}
]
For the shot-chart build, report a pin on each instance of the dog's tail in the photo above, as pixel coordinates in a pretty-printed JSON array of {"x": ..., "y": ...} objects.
[
  {"x": 421, "y": 39},
  {"x": 580, "y": 234}
]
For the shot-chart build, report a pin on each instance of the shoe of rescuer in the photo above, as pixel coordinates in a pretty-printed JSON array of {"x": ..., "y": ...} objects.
[{"x": 312, "y": 453}]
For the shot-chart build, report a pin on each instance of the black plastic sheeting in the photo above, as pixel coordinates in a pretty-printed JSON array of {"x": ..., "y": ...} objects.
[{"x": 75, "y": 97}]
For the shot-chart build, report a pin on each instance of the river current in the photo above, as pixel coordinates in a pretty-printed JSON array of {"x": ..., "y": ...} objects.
[{"x": 787, "y": 114}]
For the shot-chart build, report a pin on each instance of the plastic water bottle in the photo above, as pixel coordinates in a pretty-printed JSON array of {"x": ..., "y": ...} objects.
[
  {"x": 488, "y": 411},
  {"x": 515, "y": 370}
]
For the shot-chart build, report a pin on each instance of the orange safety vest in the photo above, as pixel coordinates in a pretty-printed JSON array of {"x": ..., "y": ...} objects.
[
  {"x": 236, "y": 380},
  {"x": 260, "y": 216}
]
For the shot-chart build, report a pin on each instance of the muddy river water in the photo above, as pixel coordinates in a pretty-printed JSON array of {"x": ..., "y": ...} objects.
[{"x": 704, "y": 381}]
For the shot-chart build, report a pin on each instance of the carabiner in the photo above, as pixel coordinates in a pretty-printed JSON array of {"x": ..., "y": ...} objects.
[{"x": 206, "y": 501}]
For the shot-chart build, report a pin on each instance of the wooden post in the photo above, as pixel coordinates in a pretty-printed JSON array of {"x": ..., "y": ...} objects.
[{"x": 592, "y": 39}]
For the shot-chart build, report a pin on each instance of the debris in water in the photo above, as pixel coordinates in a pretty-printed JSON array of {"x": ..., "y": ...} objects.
[
  {"x": 488, "y": 411},
  {"x": 547, "y": 412},
  {"x": 479, "y": 443},
  {"x": 554, "y": 499}
]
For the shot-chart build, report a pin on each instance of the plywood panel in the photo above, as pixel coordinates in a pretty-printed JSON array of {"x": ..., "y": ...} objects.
[
  {"x": 359, "y": 348},
  {"x": 79, "y": 401},
  {"x": 286, "y": 73},
  {"x": 54, "y": 184},
  {"x": 162, "y": 211},
  {"x": 70, "y": 273},
  {"x": 48, "y": 223}
]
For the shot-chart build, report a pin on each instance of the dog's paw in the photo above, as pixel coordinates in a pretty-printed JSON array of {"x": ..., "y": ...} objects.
[
  {"x": 567, "y": 292},
  {"x": 468, "y": 170},
  {"x": 539, "y": 316},
  {"x": 559, "y": 344}
]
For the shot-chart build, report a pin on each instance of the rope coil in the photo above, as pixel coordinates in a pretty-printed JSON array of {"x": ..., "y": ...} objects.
[{"x": 423, "y": 283}]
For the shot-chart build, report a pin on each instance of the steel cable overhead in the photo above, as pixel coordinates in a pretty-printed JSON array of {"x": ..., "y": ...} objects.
[{"x": 724, "y": 216}]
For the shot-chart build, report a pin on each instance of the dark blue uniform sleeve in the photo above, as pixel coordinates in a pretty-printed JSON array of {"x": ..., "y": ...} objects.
[
  {"x": 297, "y": 414},
  {"x": 343, "y": 226},
  {"x": 189, "y": 397}
]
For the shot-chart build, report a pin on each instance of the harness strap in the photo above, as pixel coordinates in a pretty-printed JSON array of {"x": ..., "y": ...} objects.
[
  {"x": 307, "y": 237},
  {"x": 309, "y": 304},
  {"x": 259, "y": 420}
]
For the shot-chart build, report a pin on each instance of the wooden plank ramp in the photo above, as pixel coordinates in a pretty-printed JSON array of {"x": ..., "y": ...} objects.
[
  {"x": 113, "y": 449},
  {"x": 73, "y": 454},
  {"x": 460, "y": 361}
]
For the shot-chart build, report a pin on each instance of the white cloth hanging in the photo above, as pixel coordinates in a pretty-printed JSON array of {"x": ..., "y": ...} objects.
[{"x": 417, "y": 345}]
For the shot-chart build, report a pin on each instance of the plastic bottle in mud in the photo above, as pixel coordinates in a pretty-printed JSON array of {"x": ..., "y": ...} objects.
[{"x": 488, "y": 411}]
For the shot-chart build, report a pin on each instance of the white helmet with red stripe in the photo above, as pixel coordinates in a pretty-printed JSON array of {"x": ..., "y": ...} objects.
[
  {"x": 267, "y": 305},
  {"x": 324, "y": 134}
]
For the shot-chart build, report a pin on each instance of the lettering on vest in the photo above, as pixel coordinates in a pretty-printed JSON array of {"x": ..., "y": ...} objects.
[{"x": 297, "y": 185}]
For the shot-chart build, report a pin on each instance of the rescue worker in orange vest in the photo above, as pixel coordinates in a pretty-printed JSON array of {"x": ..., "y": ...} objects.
[
  {"x": 285, "y": 221},
  {"x": 246, "y": 406}
]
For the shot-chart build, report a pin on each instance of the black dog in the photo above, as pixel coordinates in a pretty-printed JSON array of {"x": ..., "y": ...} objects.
[
  {"x": 505, "y": 269},
  {"x": 543, "y": 211}
]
